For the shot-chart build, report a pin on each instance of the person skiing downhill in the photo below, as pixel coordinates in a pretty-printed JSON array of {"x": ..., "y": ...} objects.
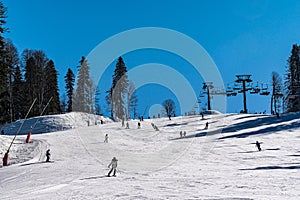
[
  {"x": 48, "y": 155},
  {"x": 206, "y": 125},
  {"x": 258, "y": 145},
  {"x": 106, "y": 138},
  {"x": 113, "y": 164}
]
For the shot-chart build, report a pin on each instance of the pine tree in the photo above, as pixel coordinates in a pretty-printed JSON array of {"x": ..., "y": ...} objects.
[
  {"x": 132, "y": 100},
  {"x": 19, "y": 111},
  {"x": 51, "y": 89},
  {"x": 70, "y": 81},
  {"x": 292, "y": 80},
  {"x": 117, "y": 93},
  {"x": 11, "y": 61},
  {"x": 4, "y": 86},
  {"x": 35, "y": 62},
  {"x": 85, "y": 90}
]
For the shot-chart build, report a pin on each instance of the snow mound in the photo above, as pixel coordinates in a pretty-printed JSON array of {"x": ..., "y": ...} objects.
[
  {"x": 212, "y": 112},
  {"x": 53, "y": 123}
]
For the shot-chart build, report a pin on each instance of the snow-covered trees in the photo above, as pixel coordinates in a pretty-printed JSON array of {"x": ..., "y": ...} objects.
[
  {"x": 292, "y": 80},
  {"x": 117, "y": 94},
  {"x": 84, "y": 98}
]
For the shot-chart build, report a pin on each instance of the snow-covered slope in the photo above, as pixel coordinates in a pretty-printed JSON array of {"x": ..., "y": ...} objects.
[
  {"x": 219, "y": 163},
  {"x": 52, "y": 123}
]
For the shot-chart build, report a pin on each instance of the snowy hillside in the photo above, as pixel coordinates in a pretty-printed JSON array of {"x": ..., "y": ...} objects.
[{"x": 221, "y": 162}]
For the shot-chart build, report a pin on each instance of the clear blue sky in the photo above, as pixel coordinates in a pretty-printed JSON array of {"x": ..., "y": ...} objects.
[{"x": 252, "y": 37}]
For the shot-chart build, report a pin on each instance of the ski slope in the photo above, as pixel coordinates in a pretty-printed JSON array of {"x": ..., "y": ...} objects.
[{"x": 219, "y": 163}]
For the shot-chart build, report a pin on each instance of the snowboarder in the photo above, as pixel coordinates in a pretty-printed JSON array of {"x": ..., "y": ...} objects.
[
  {"x": 48, "y": 155},
  {"x": 113, "y": 164},
  {"x": 258, "y": 145},
  {"x": 139, "y": 125},
  {"x": 106, "y": 138},
  {"x": 206, "y": 125}
]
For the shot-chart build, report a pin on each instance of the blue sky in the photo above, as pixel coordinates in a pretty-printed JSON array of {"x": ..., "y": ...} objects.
[{"x": 253, "y": 37}]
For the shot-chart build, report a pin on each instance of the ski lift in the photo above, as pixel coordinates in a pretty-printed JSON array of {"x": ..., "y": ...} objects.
[
  {"x": 230, "y": 94},
  {"x": 255, "y": 90},
  {"x": 236, "y": 86},
  {"x": 264, "y": 90}
]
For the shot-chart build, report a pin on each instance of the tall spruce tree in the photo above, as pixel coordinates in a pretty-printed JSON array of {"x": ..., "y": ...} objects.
[
  {"x": 35, "y": 64},
  {"x": 51, "y": 89},
  {"x": 70, "y": 81},
  {"x": 132, "y": 100},
  {"x": 19, "y": 110},
  {"x": 292, "y": 80},
  {"x": 4, "y": 86},
  {"x": 117, "y": 93},
  {"x": 85, "y": 90},
  {"x": 11, "y": 61}
]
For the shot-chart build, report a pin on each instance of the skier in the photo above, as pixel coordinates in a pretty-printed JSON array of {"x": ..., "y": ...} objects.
[
  {"x": 169, "y": 117},
  {"x": 48, "y": 155},
  {"x": 180, "y": 134},
  {"x": 184, "y": 134},
  {"x": 127, "y": 125},
  {"x": 139, "y": 125},
  {"x": 106, "y": 138},
  {"x": 206, "y": 125},
  {"x": 101, "y": 121},
  {"x": 113, "y": 164},
  {"x": 202, "y": 115},
  {"x": 258, "y": 145}
]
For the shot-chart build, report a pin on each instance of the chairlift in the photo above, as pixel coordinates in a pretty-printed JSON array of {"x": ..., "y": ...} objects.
[
  {"x": 264, "y": 90},
  {"x": 236, "y": 86},
  {"x": 229, "y": 94}
]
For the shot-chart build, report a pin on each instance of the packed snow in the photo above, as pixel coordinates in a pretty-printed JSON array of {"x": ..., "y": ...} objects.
[{"x": 221, "y": 162}]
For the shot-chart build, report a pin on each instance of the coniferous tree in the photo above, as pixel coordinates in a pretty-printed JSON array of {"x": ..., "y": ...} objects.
[
  {"x": 51, "y": 89},
  {"x": 292, "y": 80},
  {"x": 85, "y": 90},
  {"x": 132, "y": 100},
  {"x": 70, "y": 81},
  {"x": 4, "y": 86},
  {"x": 11, "y": 61},
  {"x": 118, "y": 91},
  {"x": 19, "y": 110},
  {"x": 35, "y": 64}
]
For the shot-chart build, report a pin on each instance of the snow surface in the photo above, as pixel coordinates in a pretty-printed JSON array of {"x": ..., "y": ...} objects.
[{"x": 219, "y": 163}]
